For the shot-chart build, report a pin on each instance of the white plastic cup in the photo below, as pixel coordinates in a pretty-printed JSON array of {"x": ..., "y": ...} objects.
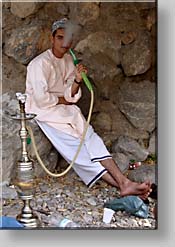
[{"x": 107, "y": 215}]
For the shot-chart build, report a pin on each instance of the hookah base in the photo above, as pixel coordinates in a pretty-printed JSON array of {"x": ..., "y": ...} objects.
[{"x": 28, "y": 220}]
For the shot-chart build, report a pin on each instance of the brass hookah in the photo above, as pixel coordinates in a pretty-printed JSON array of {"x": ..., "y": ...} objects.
[{"x": 24, "y": 178}]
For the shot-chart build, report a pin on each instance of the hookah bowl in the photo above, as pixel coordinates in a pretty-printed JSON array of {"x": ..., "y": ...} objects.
[{"x": 24, "y": 181}]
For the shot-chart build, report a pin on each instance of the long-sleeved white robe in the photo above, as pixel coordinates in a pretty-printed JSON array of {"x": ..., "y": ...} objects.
[{"x": 48, "y": 78}]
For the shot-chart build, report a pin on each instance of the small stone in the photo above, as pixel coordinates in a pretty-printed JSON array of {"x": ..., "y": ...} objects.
[
  {"x": 128, "y": 37},
  {"x": 146, "y": 223},
  {"x": 44, "y": 188},
  {"x": 120, "y": 213},
  {"x": 91, "y": 201},
  {"x": 133, "y": 222}
]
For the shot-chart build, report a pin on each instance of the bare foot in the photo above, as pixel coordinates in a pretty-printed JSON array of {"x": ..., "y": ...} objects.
[{"x": 131, "y": 188}]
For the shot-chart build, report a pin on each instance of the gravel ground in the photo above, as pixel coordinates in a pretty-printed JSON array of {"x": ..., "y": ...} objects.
[{"x": 69, "y": 197}]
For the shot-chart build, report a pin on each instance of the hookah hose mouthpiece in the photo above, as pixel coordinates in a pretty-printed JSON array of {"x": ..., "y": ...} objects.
[{"x": 84, "y": 76}]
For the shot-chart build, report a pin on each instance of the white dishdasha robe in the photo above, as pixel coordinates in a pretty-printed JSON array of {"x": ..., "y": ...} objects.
[{"x": 48, "y": 78}]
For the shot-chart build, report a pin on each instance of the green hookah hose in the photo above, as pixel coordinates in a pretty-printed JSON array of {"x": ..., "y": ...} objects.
[{"x": 84, "y": 76}]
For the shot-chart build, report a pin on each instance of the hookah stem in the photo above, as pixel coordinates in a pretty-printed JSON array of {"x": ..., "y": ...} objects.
[{"x": 23, "y": 132}]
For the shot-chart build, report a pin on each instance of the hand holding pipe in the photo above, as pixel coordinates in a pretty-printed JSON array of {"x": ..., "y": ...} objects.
[{"x": 84, "y": 76}]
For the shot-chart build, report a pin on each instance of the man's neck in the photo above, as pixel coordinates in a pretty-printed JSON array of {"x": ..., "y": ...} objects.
[{"x": 57, "y": 54}]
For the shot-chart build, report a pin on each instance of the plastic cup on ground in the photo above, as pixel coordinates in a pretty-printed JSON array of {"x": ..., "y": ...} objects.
[{"x": 107, "y": 215}]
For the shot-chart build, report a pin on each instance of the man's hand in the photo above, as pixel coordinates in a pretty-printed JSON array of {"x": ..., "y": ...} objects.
[
  {"x": 61, "y": 100},
  {"x": 79, "y": 69}
]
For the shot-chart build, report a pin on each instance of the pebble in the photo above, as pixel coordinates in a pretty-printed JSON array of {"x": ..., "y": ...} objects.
[
  {"x": 91, "y": 201},
  {"x": 8, "y": 192},
  {"x": 146, "y": 223},
  {"x": 72, "y": 199}
]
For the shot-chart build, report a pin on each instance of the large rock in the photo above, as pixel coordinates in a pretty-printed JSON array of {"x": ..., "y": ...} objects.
[
  {"x": 87, "y": 12},
  {"x": 6, "y": 5},
  {"x": 101, "y": 42},
  {"x": 101, "y": 67},
  {"x": 136, "y": 56},
  {"x": 152, "y": 144},
  {"x": 53, "y": 11},
  {"x": 143, "y": 173},
  {"x": 13, "y": 75},
  {"x": 149, "y": 17},
  {"x": 9, "y": 21},
  {"x": 50, "y": 160},
  {"x": 102, "y": 121},
  {"x": 27, "y": 41},
  {"x": 24, "y": 9},
  {"x": 11, "y": 148},
  {"x": 8, "y": 192},
  {"x": 120, "y": 16},
  {"x": 130, "y": 148},
  {"x": 120, "y": 125},
  {"x": 122, "y": 161},
  {"x": 104, "y": 89},
  {"x": 137, "y": 102}
]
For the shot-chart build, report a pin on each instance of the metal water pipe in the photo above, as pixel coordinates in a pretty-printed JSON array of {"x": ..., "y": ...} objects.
[{"x": 24, "y": 180}]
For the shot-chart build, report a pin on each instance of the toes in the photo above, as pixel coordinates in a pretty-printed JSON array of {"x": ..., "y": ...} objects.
[
  {"x": 147, "y": 183},
  {"x": 144, "y": 196},
  {"x": 147, "y": 186}
]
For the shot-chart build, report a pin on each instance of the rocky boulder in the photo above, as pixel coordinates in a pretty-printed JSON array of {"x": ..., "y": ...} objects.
[
  {"x": 122, "y": 161},
  {"x": 101, "y": 42},
  {"x": 27, "y": 41},
  {"x": 152, "y": 144},
  {"x": 143, "y": 173},
  {"x": 23, "y": 10},
  {"x": 102, "y": 68},
  {"x": 11, "y": 82},
  {"x": 136, "y": 55},
  {"x": 137, "y": 103},
  {"x": 130, "y": 148},
  {"x": 87, "y": 12},
  {"x": 8, "y": 192},
  {"x": 9, "y": 21},
  {"x": 102, "y": 121}
]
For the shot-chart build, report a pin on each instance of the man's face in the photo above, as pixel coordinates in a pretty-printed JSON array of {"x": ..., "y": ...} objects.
[{"x": 57, "y": 43}]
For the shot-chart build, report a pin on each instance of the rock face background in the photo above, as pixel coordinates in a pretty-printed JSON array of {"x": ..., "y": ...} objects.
[{"x": 117, "y": 42}]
